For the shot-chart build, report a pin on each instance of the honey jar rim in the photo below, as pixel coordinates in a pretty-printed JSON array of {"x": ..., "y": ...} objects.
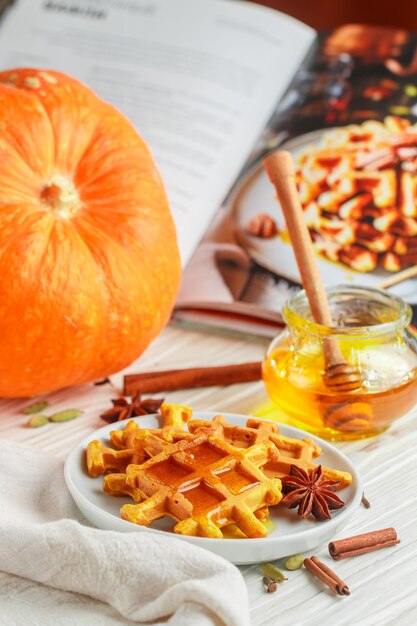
[{"x": 307, "y": 326}]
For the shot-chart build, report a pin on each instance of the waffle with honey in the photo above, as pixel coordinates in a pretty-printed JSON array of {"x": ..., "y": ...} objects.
[
  {"x": 204, "y": 484},
  {"x": 289, "y": 451},
  {"x": 133, "y": 442},
  {"x": 211, "y": 476},
  {"x": 358, "y": 189}
]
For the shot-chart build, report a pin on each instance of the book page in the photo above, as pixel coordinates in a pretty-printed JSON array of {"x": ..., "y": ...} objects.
[{"x": 198, "y": 79}]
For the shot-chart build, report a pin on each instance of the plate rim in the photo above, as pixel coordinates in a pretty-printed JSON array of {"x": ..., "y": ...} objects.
[{"x": 208, "y": 541}]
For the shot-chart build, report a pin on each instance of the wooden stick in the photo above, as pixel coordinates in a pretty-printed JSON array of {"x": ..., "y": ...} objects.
[
  {"x": 326, "y": 575},
  {"x": 280, "y": 169},
  {"x": 399, "y": 277},
  {"x": 170, "y": 380}
]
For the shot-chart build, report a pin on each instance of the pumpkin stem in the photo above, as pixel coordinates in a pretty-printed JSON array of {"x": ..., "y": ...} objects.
[{"x": 61, "y": 196}]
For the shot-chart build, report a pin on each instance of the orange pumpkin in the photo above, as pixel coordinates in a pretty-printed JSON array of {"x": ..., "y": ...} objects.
[{"x": 89, "y": 265}]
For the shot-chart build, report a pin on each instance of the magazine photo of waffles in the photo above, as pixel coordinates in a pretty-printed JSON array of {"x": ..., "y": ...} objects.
[
  {"x": 215, "y": 480},
  {"x": 349, "y": 120},
  {"x": 358, "y": 189}
]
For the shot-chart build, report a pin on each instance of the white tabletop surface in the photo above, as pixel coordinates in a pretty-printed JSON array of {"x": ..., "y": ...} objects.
[{"x": 383, "y": 584}]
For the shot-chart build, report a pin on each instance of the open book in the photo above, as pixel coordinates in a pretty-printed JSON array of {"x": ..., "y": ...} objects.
[{"x": 212, "y": 85}]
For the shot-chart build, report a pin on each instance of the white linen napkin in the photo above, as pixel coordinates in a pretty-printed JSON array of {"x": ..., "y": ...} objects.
[{"x": 146, "y": 578}]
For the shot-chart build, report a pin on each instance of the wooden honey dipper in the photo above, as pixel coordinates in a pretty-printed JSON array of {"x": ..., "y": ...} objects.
[{"x": 338, "y": 375}]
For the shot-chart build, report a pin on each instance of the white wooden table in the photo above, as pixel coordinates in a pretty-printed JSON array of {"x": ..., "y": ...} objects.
[{"x": 383, "y": 584}]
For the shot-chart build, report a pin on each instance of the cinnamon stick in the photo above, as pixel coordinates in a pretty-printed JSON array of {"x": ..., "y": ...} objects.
[
  {"x": 361, "y": 544},
  {"x": 171, "y": 380},
  {"x": 326, "y": 575}
]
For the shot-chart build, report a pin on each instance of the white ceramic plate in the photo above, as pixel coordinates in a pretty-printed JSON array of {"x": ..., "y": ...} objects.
[
  {"x": 255, "y": 194},
  {"x": 289, "y": 535}
]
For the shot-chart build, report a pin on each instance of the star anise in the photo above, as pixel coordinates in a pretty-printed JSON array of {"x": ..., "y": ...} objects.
[
  {"x": 310, "y": 492},
  {"x": 122, "y": 409}
]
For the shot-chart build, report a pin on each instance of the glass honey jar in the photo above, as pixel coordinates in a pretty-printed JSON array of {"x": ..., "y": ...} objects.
[{"x": 371, "y": 327}]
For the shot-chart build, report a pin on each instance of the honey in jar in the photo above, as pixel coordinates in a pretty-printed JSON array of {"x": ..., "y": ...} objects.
[{"x": 371, "y": 327}]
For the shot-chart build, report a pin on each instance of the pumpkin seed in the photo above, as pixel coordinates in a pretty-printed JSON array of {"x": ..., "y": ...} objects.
[
  {"x": 272, "y": 572},
  {"x": 65, "y": 416},
  {"x": 294, "y": 562},
  {"x": 36, "y": 407},
  {"x": 37, "y": 420}
]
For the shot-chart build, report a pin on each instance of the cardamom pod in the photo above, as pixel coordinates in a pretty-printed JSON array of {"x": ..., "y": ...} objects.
[
  {"x": 294, "y": 562},
  {"x": 272, "y": 572},
  {"x": 36, "y": 407},
  {"x": 65, "y": 416},
  {"x": 37, "y": 420}
]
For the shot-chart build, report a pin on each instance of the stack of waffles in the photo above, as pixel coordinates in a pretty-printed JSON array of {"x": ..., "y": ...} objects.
[
  {"x": 206, "y": 477},
  {"x": 358, "y": 189}
]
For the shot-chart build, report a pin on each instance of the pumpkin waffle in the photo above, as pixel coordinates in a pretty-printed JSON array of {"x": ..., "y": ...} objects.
[
  {"x": 131, "y": 442},
  {"x": 101, "y": 459},
  {"x": 151, "y": 444},
  {"x": 173, "y": 418},
  {"x": 116, "y": 485},
  {"x": 289, "y": 451},
  {"x": 254, "y": 432},
  {"x": 204, "y": 484}
]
